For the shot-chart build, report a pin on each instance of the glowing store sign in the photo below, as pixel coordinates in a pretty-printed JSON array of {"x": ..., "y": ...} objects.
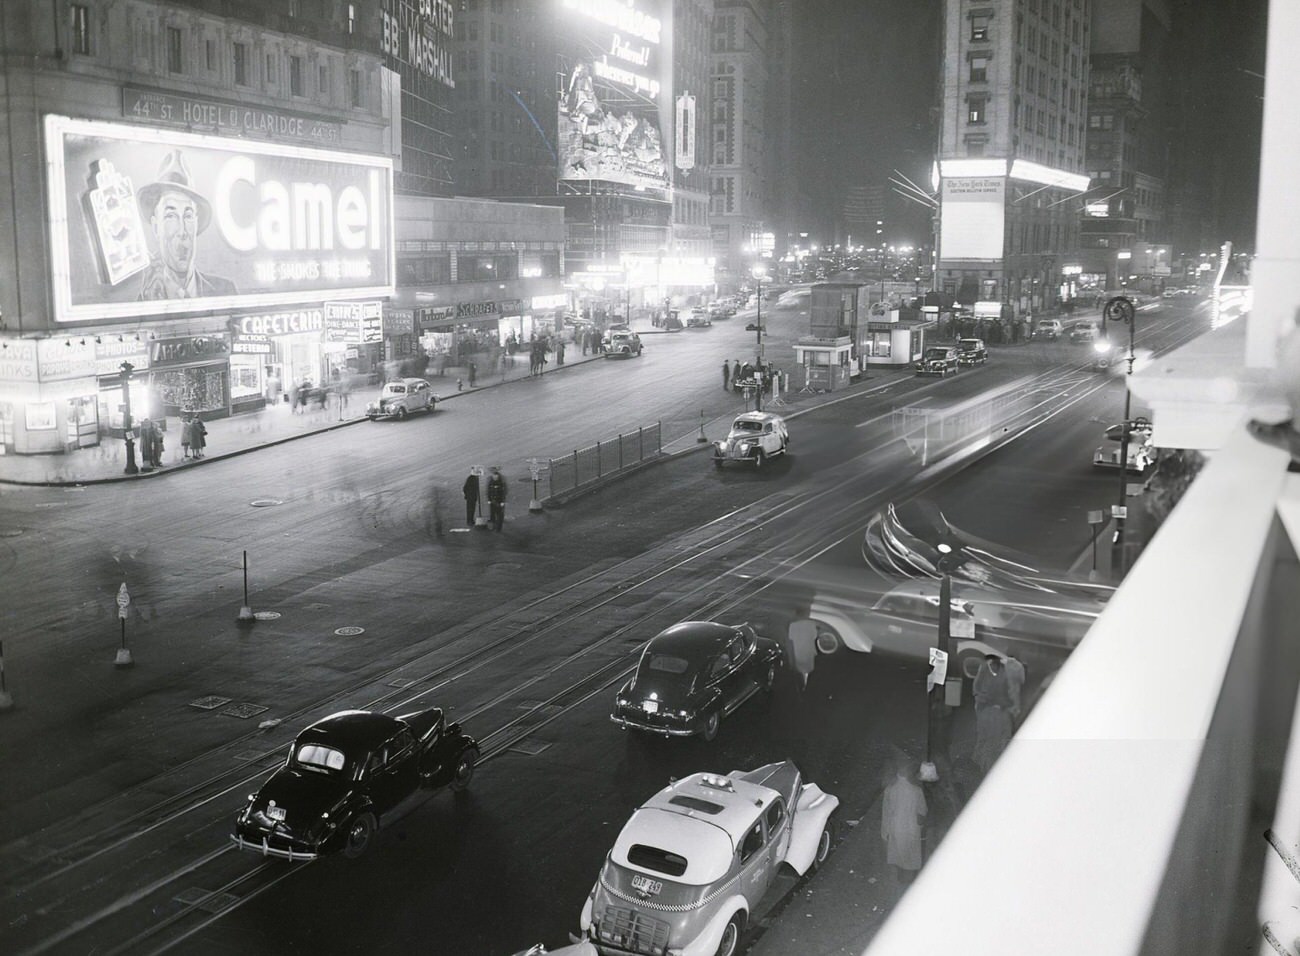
[
  {"x": 149, "y": 221},
  {"x": 419, "y": 33},
  {"x": 620, "y": 15}
]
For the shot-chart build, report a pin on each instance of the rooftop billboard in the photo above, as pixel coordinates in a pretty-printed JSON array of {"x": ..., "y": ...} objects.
[
  {"x": 612, "y": 109},
  {"x": 146, "y": 222}
]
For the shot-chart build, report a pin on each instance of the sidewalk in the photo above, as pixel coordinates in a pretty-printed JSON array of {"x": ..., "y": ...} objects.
[{"x": 240, "y": 434}]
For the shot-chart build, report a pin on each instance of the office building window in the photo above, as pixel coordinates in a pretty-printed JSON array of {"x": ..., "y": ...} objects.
[
  {"x": 352, "y": 17},
  {"x": 323, "y": 79},
  {"x": 354, "y": 87},
  {"x": 295, "y": 75},
  {"x": 81, "y": 29},
  {"x": 979, "y": 27},
  {"x": 979, "y": 69},
  {"x": 977, "y": 110},
  {"x": 271, "y": 77},
  {"x": 175, "y": 42},
  {"x": 210, "y": 54},
  {"x": 241, "y": 64}
]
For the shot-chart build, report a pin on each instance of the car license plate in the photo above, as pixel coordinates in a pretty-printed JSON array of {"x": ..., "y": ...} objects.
[
  {"x": 275, "y": 813},
  {"x": 650, "y": 706},
  {"x": 643, "y": 884}
]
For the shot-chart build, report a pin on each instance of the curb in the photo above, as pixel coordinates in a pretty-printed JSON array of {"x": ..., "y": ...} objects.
[{"x": 333, "y": 426}]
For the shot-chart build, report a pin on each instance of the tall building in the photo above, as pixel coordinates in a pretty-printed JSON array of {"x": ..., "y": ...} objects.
[
  {"x": 692, "y": 76},
  {"x": 740, "y": 161},
  {"x": 204, "y": 190},
  {"x": 787, "y": 202},
  {"x": 1125, "y": 232},
  {"x": 1011, "y": 150},
  {"x": 415, "y": 38},
  {"x": 504, "y": 101}
]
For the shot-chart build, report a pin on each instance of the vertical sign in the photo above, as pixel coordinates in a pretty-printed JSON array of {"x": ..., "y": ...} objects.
[{"x": 685, "y": 145}]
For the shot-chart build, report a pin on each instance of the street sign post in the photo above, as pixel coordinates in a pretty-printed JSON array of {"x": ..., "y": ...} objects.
[
  {"x": 123, "y": 658},
  {"x": 1095, "y": 520}
]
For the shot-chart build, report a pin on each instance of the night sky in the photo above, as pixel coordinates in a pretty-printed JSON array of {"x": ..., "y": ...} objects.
[{"x": 866, "y": 100}]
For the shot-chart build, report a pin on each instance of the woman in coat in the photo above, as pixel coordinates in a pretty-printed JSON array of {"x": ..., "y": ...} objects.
[
  {"x": 199, "y": 436},
  {"x": 187, "y": 434}
]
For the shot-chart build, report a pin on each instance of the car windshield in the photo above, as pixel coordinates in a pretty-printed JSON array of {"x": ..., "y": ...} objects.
[
  {"x": 320, "y": 758},
  {"x": 396, "y": 389},
  {"x": 968, "y": 345},
  {"x": 667, "y": 664},
  {"x": 936, "y": 353},
  {"x": 745, "y": 426}
]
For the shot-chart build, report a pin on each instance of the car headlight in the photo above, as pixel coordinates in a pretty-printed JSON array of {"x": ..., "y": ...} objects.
[
  {"x": 745, "y": 446},
  {"x": 1101, "y": 347}
]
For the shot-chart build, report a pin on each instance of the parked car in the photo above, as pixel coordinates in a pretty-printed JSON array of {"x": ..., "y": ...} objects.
[
  {"x": 622, "y": 343},
  {"x": 1048, "y": 329},
  {"x": 401, "y": 397},
  {"x": 1083, "y": 333},
  {"x": 699, "y": 318},
  {"x": 971, "y": 352},
  {"x": 1141, "y": 452},
  {"x": 938, "y": 360},
  {"x": 694, "y": 674},
  {"x": 689, "y": 868},
  {"x": 349, "y": 774},
  {"x": 754, "y": 437}
]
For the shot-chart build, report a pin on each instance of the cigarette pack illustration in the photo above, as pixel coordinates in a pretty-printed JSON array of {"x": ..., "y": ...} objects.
[{"x": 119, "y": 232}]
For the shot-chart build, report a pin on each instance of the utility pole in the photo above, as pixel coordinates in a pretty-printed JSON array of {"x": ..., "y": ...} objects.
[
  {"x": 939, "y": 661},
  {"x": 759, "y": 274}
]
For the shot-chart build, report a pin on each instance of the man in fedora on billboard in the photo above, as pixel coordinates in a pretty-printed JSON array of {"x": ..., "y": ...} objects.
[{"x": 177, "y": 214}]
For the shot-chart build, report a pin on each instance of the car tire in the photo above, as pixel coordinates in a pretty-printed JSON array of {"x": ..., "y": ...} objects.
[
  {"x": 760, "y": 459},
  {"x": 824, "y": 844},
  {"x": 464, "y": 770},
  {"x": 729, "y": 945},
  {"x": 710, "y": 728},
  {"x": 361, "y": 833},
  {"x": 401, "y": 413},
  {"x": 828, "y": 640}
]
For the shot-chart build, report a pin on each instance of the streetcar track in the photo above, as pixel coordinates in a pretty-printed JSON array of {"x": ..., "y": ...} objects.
[{"x": 598, "y": 681}]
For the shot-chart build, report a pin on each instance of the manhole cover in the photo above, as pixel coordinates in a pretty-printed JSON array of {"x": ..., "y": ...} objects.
[
  {"x": 266, "y": 502},
  {"x": 350, "y": 631},
  {"x": 10, "y": 532},
  {"x": 209, "y": 703},
  {"x": 266, "y": 615},
  {"x": 244, "y": 711}
]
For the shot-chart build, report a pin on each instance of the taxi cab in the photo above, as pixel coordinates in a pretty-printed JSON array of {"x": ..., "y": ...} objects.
[
  {"x": 754, "y": 437},
  {"x": 691, "y": 865}
]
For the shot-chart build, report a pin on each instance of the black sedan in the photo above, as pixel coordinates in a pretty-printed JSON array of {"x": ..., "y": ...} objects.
[
  {"x": 346, "y": 775},
  {"x": 694, "y": 674}
]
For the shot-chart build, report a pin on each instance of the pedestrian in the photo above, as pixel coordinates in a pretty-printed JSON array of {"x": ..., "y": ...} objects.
[
  {"x": 1015, "y": 683},
  {"x": 470, "y": 490},
  {"x": 146, "y": 442},
  {"x": 559, "y": 352},
  {"x": 801, "y": 646},
  {"x": 157, "y": 445},
  {"x": 901, "y": 812},
  {"x": 735, "y": 373},
  {"x": 199, "y": 437},
  {"x": 496, "y": 494},
  {"x": 993, "y": 703},
  {"x": 726, "y": 375},
  {"x": 187, "y": 434}
]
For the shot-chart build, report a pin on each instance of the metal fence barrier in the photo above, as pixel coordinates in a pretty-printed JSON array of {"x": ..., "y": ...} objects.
[{"x": 608, "y": 457}]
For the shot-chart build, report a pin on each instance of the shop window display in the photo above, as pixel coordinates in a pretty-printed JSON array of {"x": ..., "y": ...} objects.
[{"x": 192, "y": 389}]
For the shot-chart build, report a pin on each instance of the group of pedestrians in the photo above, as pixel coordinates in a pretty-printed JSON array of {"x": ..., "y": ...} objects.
[
  {"x": 734, "y": 375},
  {"x": 497, "y": 491},
  {"x": 194, "y": 438}
]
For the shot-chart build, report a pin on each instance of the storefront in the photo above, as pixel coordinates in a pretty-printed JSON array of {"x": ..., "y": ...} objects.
[
  {"x": 191, "y": 374},
  {"x": 112, "y": 350},
  {"x": 48, "y": 395},
  {"x": 827, "y": 363}
]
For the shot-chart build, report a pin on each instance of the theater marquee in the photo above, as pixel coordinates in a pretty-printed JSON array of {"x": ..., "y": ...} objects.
[{"x": 148, "y": 221}]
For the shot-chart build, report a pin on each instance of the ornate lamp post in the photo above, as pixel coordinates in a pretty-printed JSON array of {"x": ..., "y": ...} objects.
[
  {"x": 128, "y": 370},
  {"x": 1120, "y": 309}
]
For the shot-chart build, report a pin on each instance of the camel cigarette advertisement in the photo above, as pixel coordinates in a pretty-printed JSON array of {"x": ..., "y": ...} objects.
[
  {"x": 150, "y": 222},
  {"x": 612, "y": 102}
]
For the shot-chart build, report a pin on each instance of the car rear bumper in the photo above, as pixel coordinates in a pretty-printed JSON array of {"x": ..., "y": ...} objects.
[
  {"x": 265, "y": 848},
  {"x": 627, "y": 724}
]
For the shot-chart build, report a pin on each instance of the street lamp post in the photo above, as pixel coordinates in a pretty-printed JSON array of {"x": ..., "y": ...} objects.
[
  {"x": 127, "y": 371},
  {"x": 759, "y": 273},
  {"x": 1120, "y": 309},
  {"x": 937, "y": 712}
]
